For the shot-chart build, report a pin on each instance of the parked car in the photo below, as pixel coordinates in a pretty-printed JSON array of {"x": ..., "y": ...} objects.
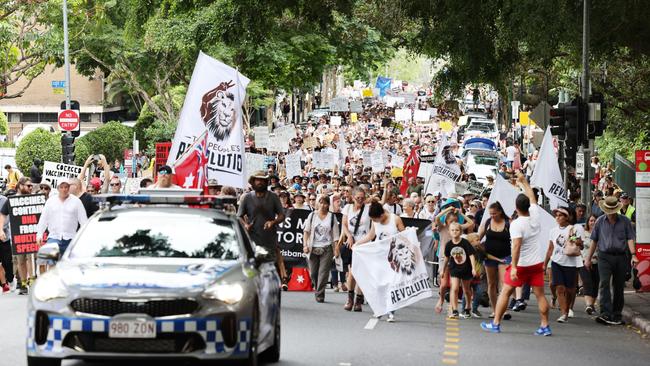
[
  {"x": 485, "y": 128},
  {"x": 156, "y": 277},
  {"x": 480, "y": 156}
]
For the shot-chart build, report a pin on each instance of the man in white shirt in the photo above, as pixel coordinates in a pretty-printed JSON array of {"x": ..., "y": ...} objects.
[
  {"x": 511, "y": 153},
  {"x": 527, "y": 259},
  {"x": 61, "y": 216}
]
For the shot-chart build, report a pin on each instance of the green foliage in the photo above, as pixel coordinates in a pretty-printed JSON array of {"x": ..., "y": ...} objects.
[
  {"x": 39, "y": 144},
  {"x": 147, "y": 118},
  {"x": 159, "y": 131},
  {"x": 4, "y": 124},
  {"x": 110, "y": 139},
  {"x": 611, "y": 143}
]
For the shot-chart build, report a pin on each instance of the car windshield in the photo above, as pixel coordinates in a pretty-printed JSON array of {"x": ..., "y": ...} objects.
[
  {"x": 481, "y": 126},
  {"x": 485, "y": 160},
  {"x": 147, "y": 233}
]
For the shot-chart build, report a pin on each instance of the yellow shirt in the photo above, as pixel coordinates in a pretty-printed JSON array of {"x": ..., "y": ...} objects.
[{"x": 12, "y": 179}]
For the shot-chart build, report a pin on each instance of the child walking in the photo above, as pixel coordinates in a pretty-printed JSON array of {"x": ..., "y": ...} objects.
[{"x": 459, "y": 257}]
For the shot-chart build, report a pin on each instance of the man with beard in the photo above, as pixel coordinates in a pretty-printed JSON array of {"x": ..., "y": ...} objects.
[{"x": 260, "y": 211}]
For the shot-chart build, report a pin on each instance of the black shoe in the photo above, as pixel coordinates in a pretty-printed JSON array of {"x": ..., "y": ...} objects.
[
  {"x": 507, "y": 316},
  {"x": 520, "y": 305},
  {"x": 23, "y": 291},
  {"x": 607, "y": 320},
  {"x": 512, "y": 304}
]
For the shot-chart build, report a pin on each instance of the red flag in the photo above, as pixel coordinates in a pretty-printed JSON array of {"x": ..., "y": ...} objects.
[
  {"x": 300, "y": 280},
  {"x": 191, "y": 167},
  {"x": 411, "y": 167}
]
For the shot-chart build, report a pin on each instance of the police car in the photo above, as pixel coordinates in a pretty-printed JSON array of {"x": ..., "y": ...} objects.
[{"x": 156, "y": 277}]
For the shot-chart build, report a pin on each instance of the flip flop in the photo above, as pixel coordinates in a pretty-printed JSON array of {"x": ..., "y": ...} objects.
[{"x": 438, "y": 307}]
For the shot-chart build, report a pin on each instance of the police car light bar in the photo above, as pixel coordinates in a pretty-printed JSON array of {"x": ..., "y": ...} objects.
[{"x": 213, "y": 201}]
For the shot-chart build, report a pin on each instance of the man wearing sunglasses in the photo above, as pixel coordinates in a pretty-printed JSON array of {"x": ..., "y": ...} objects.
[{"x": 165, "y": 178}]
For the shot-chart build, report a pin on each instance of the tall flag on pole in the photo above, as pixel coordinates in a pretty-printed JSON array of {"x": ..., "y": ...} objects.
[
  {"x": 191, "y": 169},
  {"x": 214, "y": 102},
  {"x": 547, "y": 175},
  {"x": 411, "y": 167}
]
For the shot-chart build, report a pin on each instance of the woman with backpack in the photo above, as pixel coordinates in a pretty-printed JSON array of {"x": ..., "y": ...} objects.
[
  {"x": 321, "y": 229},
  {"x": 496, "y": 232}
]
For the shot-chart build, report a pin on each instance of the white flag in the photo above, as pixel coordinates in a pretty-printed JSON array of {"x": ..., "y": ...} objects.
[
  {"x": 547, "y": 175},
  {"x": 213, "y": 101},
  {"x": 506, "y": 194},
  {"x": 391, "y": 272}
]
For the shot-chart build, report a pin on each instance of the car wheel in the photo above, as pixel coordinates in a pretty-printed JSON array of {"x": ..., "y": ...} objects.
[
  {"x": 252, "y": 359},
  {"x": 43, "y": 361}
]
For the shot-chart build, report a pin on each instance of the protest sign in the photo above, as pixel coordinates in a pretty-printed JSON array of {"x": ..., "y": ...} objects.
[
  {"x": 323, "y": 160},
  {"x": 424, "y": 233},
  {"x": 356, "y": 106},
  {"x": 421, "y": 116},
  {"x": 335, "y": 120},
  {"x": 255, "y": 162},
  {"x": 403, "y": 114},
  {"x": 366, "y": 156},
  {"x": 397, "y": 161},
  {"x": 309, "y": 142},
  {"x": 391, "y": 272},
  {"x": 339, "y": 105},
  {"x": 377, "y": 161},
  {"x": 24, "y": 213},
  {"x": 132, "y": 185},
  {"x": 290, "y": 238},
  {"x": 353, "y": 118},
  {"x": 261, "y": 137},
  {"x": 53, "y": 173},
  {"x": 293, "y": 167}
]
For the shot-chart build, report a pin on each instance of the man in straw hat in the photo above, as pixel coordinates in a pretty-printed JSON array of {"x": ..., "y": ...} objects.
[
  {"x": 260, "y": 211},
  {"x": 613, "y": 235}
]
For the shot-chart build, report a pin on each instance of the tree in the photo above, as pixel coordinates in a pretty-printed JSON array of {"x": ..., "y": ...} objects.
[
  {"x": 27, "y": 45},
  {"x": 4, "y": 124},
  {"x": 110, "y": 140},
  {"x": 39, "y": 144}
]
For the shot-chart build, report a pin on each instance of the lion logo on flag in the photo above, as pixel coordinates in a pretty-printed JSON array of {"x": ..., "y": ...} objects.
[
  {"x": 401, "y": 257},
  {"x": 218, "y": 111}
]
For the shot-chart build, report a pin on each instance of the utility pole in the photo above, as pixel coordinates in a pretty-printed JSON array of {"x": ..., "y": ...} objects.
[
  {"x": 588, "y": 176},
  {"x": 67, "y": 140}
]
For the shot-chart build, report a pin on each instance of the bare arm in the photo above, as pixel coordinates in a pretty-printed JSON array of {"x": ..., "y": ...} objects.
[
  {"x": 399, "y": 223},
  {"x": 523, "y": 183},
  {"x": 469, "y": 223},
  {"x": 549, "y": 252},
  {"x": 481, "y": 232},
  {"x": 368, "y": 237},
  {"x": 516, "y": 250}
]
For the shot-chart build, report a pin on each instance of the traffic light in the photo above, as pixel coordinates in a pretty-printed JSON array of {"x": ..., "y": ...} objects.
[
  {"x": 597, "y": 124},
  {"x": 67, "y": 148},
  {"x": 558, "y": 122}
]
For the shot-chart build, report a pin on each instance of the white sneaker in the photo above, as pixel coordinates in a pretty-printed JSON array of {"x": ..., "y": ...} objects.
[
  {"x": 391, "y": 318},
  {"x": 571, "y": 313},
  {"x": 563, "y": 319}
]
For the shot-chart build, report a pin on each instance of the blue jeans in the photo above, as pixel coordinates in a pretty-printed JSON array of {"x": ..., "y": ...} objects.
[
  {"x": 63, "y": 244},
  {"x": 478, "y": 289}
]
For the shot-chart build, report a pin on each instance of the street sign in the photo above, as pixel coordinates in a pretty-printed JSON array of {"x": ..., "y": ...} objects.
[
  {"x": 541, "y": 115},
  {"x": 515, "y": 108},
  {"x": 580, "y": 165},
  {"x": 69, "y": 120},
  {"x": 643, "y": 168}
]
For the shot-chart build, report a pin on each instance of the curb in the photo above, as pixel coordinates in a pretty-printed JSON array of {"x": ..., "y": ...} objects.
[{"x": 636, "y": 319}]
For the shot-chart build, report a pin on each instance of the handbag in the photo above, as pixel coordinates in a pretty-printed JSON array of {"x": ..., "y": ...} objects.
[{"x": 571, "y": 249}]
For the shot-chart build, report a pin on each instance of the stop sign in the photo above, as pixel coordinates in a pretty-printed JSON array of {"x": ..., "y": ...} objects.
[{"x": 69, "y": 120}]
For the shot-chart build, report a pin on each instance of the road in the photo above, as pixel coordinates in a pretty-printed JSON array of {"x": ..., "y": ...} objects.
[{"x": 325, "y": 334}]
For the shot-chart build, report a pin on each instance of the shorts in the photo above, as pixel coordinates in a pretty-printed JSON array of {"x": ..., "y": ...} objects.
[
  {"x": 564, "y": 276},
  {"x": 23, "y": 258},
  {"x": 462, "y": 276},
  {"x": 493, "y": 263},
  {"x": 590, "y": 280},
  {"x": 528, "y": 275},
  {"x": 346, "y": 256}
]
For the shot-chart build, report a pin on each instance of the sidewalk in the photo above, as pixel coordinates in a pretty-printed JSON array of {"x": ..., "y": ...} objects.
[{"x": 637, "y": 309}]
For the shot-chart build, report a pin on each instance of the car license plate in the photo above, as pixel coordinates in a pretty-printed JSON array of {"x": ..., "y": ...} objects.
[{"x": 132, "y": 328}]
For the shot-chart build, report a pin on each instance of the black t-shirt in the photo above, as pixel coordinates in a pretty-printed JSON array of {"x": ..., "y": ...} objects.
[
  {"x": 260, "y": 210},
  {"x": 89, "y": 204},
  {"x": 460, "y": 265},
  {"x": 35, "y": 174}
]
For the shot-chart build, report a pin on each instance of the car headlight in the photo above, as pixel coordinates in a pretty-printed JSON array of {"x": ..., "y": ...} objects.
[
  {"x": 49, "y": 287},
  {"x": 227, "y": 293}
]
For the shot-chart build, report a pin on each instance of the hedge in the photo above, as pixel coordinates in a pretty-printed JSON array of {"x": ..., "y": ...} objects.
[
  {"x": 38, "y": 144},
  {"x": 110, "y": 139}
]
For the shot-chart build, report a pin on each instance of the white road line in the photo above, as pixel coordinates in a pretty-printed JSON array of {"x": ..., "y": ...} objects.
[{"x": 371, "y": 323}]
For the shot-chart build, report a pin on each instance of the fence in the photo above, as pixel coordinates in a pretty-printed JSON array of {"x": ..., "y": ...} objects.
[{"x": 624, "y": 174}]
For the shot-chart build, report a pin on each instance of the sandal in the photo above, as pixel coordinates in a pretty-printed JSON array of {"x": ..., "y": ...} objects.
[{"x": 438, "y": 308}]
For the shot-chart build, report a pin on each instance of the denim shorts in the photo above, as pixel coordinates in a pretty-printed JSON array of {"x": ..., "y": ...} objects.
[
  {"x": 492, "y": 263},
  {"x": 63, "y": 244}
]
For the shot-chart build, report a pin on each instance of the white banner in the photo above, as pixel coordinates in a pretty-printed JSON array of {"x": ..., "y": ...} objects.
[
  {"x": 293, "y": 167},
  {"x": 53, "y": 173},
  {"x": 445, "y": 170},
  {"x": 213, "y": 101},
  {"x": 547, "y": 173},
  {"x": 403, "y": 114},
  {"x": 255, "y": 162},
  {"x": 261, "y": 137},
  {"x": 391, "y": 272}
]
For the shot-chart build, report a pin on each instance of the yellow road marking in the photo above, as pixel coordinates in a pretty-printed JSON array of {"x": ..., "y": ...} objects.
[
  {"x": 452, "y": 340},
  {"x": 449, "y": 361},
  {"x": 452, "y": 334},
  {"x": 450, "y": 353},
  {"x": 455, "y": 329}
]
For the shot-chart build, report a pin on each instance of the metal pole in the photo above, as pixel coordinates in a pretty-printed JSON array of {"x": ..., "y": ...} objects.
[
  {"x": 66, "y": 54},
  {"x": 586, "y": 181}
]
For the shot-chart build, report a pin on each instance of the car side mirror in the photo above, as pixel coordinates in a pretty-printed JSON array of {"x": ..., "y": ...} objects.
[
  {"x": 49, "y": 252},
  {"x": 262, "y": 255}
]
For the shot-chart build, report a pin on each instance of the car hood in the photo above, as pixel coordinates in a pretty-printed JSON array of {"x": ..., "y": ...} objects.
[{"x": 144, "y": 274}]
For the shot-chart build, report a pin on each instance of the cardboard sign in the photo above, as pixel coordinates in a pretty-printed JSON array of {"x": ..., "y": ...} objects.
[
  {"x": 310, "y": 142},
  {"x": 53, "y": 172},
  {"x": 24, "y": 213},
  {"x": 446, "y": 126},
  {"x": 353, "y": 118},
  {"x": 261, "y": 137}
]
